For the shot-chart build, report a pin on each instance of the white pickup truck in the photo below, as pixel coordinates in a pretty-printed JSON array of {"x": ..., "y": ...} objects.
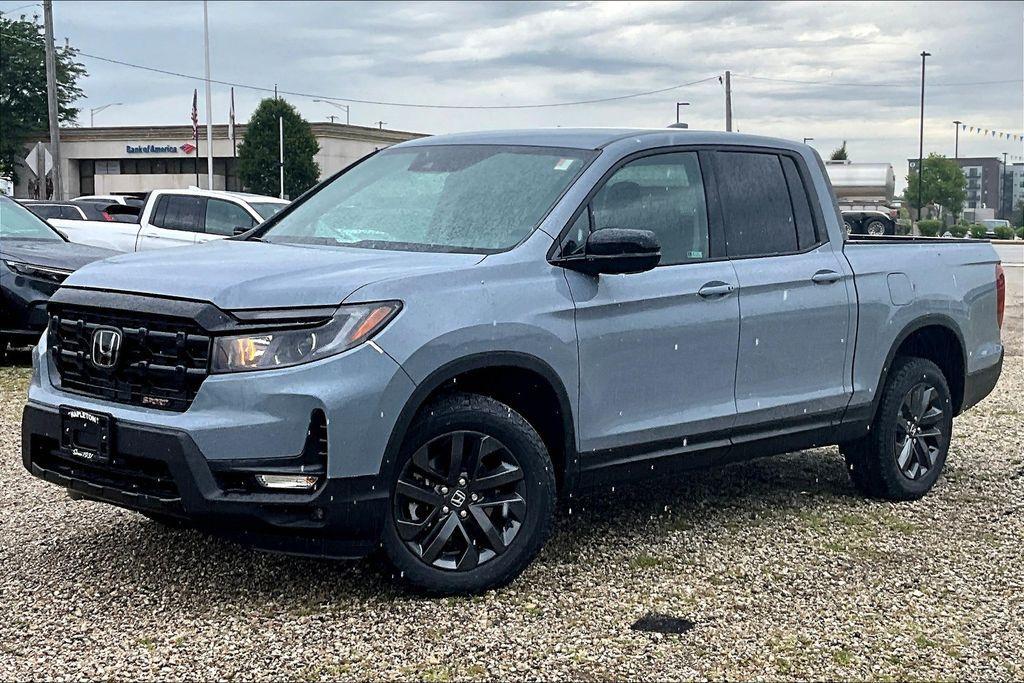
[{"x": 174, "y": 218}]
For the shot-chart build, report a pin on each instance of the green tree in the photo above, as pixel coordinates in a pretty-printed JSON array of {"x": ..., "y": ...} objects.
[
  {"x": 23, "y": 87},
  {"x": 258, "y": 152},
  {"x": 839, "y": 153},
  {"x": 942, "y": 183}
]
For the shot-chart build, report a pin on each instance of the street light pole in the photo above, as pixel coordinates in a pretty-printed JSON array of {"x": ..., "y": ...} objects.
[
  {"x": 680, "y": 104},
  {"x": 97, "y": 110},
  {"x": 339, "y": 106},
  {"x": 1002, "y": 190},
  {"x": 209, "y": 99},
  {"x": 806, "y": 140},
  {"x": 920, "y": 148},
  {"x": 956, "y": 140}
]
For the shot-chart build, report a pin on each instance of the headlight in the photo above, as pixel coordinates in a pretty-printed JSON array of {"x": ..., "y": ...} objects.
[
  {"x": 41, "y": 272},
  {"x": 351, "y": 325}
]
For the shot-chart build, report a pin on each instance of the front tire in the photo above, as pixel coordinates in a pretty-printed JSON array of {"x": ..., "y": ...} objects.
[
  {"x": 472, "y": 497},
  {"x": 878, "y": 228},
  {"x": 905, "y": 450}
]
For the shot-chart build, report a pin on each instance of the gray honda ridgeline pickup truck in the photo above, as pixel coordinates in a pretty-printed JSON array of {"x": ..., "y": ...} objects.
[{"x": 426, "y": 350}]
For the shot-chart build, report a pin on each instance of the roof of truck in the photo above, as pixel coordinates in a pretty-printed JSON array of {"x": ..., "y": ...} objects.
[{"x": 596, "y": 138}]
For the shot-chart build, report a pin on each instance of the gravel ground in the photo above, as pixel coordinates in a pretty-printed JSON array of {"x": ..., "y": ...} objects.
[{"x": 782, "y": 569}]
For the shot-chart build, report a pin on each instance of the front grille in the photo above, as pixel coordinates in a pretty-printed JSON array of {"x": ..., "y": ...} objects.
[
  {"x": 126, "y": 473},
  {"x": 160, "y": 364}
]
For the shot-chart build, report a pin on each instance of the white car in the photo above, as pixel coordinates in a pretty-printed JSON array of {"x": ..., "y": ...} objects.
[{"x": 174, "y": 218}]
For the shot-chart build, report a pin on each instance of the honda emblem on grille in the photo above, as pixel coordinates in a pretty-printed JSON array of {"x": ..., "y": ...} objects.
[{"x": 106, "y": 343}]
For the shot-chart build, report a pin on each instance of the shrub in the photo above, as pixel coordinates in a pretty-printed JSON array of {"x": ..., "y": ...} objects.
[
  {"x": 904, "y": 226},
  {"x": 978, "y": 231},
  {"x": 1003, "y": 232},
  {"x": 958, "y": 230},
  {"x": 929, "y": 227},
  {"x": 1020, "y": 232}
]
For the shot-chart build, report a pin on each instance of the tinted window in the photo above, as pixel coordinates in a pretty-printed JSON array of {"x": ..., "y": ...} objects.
[
  {"x": 70, "y": 213},
  {"x": 664, "y": 194},
  {"x": 806, "y": 235},
  {"x": 180, "y": 212},
  {"x": 755, "y": 204},
  {"x": 223, "y": 217},
  {"x": 45, "y": 210}
]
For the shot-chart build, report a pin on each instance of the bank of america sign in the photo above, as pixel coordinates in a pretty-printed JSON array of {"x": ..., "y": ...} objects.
[{"x": 151, "y": 149}]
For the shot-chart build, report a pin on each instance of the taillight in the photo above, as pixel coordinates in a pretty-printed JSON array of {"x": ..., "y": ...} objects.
[
  {"x": 107, "y": 216},
  {"x": 1000, "y": 293}
]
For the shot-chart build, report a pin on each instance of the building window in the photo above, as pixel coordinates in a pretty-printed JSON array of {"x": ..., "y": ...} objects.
[{"x": 108, "y": 167}]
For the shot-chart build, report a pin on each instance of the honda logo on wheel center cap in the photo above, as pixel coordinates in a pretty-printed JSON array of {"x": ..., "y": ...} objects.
[
  {"x": 458, "y": 498},
  {"x": 106, "y": 343}
]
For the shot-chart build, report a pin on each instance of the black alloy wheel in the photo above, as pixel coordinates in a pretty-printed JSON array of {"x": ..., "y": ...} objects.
[
  {"x": 903, "y": 452},
  {"x": 472, "y": 496},
  {"x": 460, "y": 501},
  {"x": 918, "y": 439}
]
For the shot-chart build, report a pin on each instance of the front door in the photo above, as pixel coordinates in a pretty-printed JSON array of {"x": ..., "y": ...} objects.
[
  {"x": 657, "y": 349},
  {"x": 173, "y": 222},
  {"x": 795, "y": 330}
]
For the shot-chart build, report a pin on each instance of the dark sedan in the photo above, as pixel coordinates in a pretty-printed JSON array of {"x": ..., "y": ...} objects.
[{"x": 34, "y": 260}]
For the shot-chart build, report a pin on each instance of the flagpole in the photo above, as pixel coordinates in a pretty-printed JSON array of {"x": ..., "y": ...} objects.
[
  {"x": 209, "y": 105},
  {"x": 195, "y": 130}
]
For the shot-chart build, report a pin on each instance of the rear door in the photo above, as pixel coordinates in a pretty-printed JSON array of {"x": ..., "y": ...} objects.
[
  {"x": 657, "y": 349},
  {"x": 223, "y": 217},
  {"x": 795, "y": 312},
  {"x": 173, "y": 222}
]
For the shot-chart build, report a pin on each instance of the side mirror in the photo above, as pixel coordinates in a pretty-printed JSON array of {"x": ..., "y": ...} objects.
[{"x": 615, "y": 251}]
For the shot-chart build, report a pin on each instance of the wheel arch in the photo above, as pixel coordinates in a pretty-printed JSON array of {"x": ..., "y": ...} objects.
[
  {"x": 937, "y": 338},
  {"x": 502, "y": 375}
]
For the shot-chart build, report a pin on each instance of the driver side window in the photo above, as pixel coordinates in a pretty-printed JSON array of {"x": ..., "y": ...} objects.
[{"x": 663, "y": 193}]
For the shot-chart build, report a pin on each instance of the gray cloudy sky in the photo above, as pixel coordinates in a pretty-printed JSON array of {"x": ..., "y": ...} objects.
[{"x": 523, "y": 53}]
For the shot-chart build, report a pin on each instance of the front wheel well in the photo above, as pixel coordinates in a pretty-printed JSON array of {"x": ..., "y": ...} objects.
[
  {"x": 530, "y": 394},
  {"x": 942, "y": 346}
]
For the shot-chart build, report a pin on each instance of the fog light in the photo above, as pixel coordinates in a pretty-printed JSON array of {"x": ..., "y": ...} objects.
[{"x": 287, "y": 481}]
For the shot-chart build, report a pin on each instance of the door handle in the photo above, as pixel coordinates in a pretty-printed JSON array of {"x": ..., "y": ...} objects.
[
  {"x": 825, "y": 277},
  {"x": 715, "y": 289}
]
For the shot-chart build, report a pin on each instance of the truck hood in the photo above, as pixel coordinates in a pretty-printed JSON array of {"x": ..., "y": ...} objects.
[
  {"x": 52, "y": 253},
  {"x": 249, "y": 274}
]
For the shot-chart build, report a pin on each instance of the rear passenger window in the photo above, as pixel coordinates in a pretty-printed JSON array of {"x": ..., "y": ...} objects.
[
  {"x": 756, "y": 207},
  {"x": 663, "y": 193},
  {"x": 806, "y": 235},
  {"x": 180, "y": 212}
]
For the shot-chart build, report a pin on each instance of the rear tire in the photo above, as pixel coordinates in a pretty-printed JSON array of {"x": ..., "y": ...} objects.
[
  {"x": 905, "y": 450},
  {"x": 472, "y": 497},
  {"x": 877, "y": 227}
]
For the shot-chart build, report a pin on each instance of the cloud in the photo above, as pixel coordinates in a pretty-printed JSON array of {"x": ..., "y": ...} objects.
[{"x": 534, "y": 52}]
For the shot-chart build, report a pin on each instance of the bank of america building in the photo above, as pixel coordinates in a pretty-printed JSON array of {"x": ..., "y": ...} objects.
[{"x": 105, "y": 160}]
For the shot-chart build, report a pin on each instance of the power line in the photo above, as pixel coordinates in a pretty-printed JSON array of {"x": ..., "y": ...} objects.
[
  {"x": 874, "y": 85},
  {"x": 413, "y": 105}
]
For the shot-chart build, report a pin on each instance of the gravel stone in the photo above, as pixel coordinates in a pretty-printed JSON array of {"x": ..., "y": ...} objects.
[{"x": 783, "y": 569}]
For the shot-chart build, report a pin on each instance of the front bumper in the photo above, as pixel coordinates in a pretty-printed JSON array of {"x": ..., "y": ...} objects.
[{"x": 162, "y": 471}]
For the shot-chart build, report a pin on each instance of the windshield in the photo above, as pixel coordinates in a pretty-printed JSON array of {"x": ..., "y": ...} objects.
[
  {"x": 266, "y": 209},
  {"x": 18, "y": 223},
  {"x": 468, "y": 198}
]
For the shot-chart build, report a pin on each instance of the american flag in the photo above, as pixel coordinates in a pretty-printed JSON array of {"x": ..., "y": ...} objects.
[{"x": 195, "y": 114}]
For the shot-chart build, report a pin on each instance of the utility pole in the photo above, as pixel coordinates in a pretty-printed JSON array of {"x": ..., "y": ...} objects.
[
  {"x": 728, "y": 101},
  {"x": 331, "y": 117},
  {"x": 920, "y": 148},
  {"x": 280, "y": 143},
  {"x": 956, "y": 140},
  {"x": 678, "y": 105},
  {"x": 51, "y": 105},
  {"x": 380, "y": 124},
  {"x": 209, "y": 100}
]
